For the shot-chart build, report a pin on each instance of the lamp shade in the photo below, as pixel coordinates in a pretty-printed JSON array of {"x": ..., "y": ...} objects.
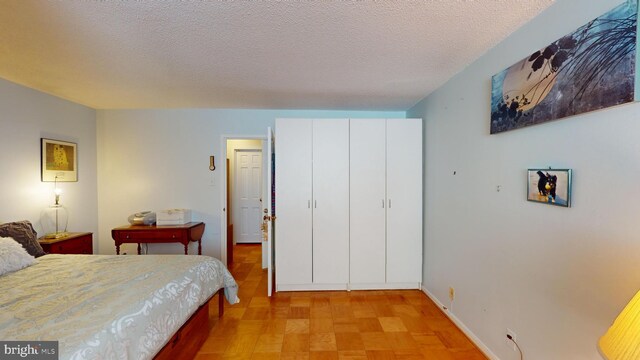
[{"x": 622, "y": 340}]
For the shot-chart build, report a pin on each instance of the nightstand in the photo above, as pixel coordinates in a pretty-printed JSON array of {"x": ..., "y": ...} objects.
[{"x": 75, "y": 243}]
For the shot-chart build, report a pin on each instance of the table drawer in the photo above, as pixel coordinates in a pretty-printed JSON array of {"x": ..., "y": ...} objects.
[
  {"x": 81, "y": 245},
  {"x": 141, "y": 236}
]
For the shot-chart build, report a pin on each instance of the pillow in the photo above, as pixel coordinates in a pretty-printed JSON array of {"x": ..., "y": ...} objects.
[
  {"x": 23, "y": 233},
  {"x": 13, "y": 256}
]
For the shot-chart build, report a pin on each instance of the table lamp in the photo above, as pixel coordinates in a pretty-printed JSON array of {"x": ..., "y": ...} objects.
[
  {"x": 622, "y": 340},
  {"x": 55, "y": 217}
]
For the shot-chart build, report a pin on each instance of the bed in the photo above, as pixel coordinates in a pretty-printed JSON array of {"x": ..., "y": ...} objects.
[{"x": 114, "y": 307}]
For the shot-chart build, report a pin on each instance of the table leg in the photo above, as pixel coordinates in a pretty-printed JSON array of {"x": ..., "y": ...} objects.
[
  {"x": 117, "y": 249},
  {"x": 139, "y": 249},
  {"x": 186, "y": 249},
  {"x": 200, "y": 246}
]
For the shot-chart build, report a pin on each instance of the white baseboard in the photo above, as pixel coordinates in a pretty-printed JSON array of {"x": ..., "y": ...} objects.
[{"x": 487, "y": 352}]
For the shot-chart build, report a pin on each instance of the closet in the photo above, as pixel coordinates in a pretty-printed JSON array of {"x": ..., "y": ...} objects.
[
  {"x": 349, "y": 204},
  {"x": 386, "y": 203},
  {"x": 312, "y": 187}
]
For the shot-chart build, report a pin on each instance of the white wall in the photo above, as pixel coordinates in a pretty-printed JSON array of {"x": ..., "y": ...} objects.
[
  {"x": 555, "y": 276},
  {"x": 27, "y": 116},
  {"x": 158, "y": 159}
]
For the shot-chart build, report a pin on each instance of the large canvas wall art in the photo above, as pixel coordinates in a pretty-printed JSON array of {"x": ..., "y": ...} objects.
[{"x": 590, "y": 69}]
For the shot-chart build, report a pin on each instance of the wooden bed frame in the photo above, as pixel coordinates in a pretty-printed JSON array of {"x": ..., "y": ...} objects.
[{"x": 186, "y": 342}]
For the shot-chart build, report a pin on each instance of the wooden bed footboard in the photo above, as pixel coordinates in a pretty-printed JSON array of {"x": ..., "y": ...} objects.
[{"x": 186, "y": 342}]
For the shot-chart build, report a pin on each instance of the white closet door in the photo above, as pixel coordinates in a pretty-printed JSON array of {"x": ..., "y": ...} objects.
[
  {"x": 404, "y": 200},
  {"x": 293, "y": 199},
  {"x": 331, "y": 201},
  {"x": 367, "y": 201}
]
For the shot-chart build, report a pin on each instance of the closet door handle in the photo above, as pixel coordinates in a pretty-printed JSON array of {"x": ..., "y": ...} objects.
[
  {"x": 389, "y": 203},
  {"x": 383, "y": 203},
  {"x": 309, "y": 204},
  {"x": 315, "y": 204}
]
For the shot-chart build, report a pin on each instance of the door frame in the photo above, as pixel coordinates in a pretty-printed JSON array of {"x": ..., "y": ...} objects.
[
  {"x": 223, "y": 187},
  {"x": 234, "y": 197}
]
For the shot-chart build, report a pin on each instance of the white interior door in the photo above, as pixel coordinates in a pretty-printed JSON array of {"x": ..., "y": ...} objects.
[
  {"x": 269, "y": 206},
  {"x": 248, "y": 191},
  {"x": 293, "y": 189},
  {"x": 331, "y": 201},
  {"x": 263, "y": 202},
  {"x": 367, "y": 201},
  {"x": 404, "y": 200}
]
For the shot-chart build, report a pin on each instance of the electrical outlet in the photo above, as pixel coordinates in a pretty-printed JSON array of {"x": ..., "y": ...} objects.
[
  {"x": 510, "y": 343},
  {"x": 452, "y": 293}
]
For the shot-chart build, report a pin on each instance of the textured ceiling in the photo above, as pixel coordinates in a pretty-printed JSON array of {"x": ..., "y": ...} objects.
[{"x": 362, "y": 55}]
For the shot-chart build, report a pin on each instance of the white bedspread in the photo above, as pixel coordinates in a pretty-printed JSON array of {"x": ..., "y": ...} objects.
[{"x": 108, "y": 307}]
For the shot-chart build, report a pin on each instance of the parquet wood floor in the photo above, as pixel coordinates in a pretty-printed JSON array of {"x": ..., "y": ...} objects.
[{"x": 329, "y": 325}]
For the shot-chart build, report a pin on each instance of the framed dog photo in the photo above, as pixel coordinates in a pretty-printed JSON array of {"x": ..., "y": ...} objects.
[
  {"x": 549, "y": 186},
  {"x": 59, "y": 160}
]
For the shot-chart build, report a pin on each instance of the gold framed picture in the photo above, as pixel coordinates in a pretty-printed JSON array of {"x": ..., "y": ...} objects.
[{"x": 59, "y": 160}]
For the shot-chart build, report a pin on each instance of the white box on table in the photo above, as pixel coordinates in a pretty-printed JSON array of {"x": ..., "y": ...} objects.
[{"x": 173, "y": 217}]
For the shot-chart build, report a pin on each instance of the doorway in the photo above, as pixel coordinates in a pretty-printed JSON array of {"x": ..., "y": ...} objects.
[{"x": 245, "y": 186}]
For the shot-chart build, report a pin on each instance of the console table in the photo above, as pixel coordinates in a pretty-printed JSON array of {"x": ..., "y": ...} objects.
[{"x": 137, "y": 234}]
